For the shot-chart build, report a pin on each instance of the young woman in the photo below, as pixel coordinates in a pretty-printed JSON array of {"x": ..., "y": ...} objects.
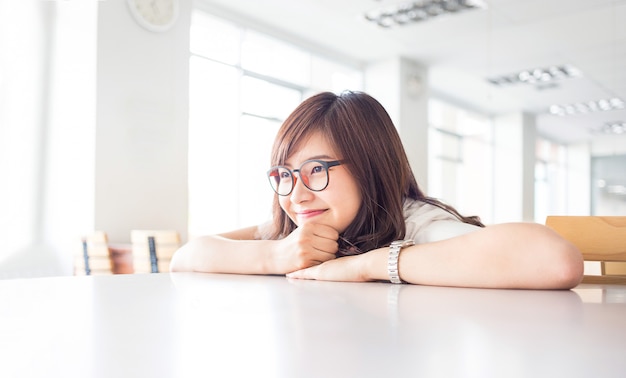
[{"x": 348, "y": 208}]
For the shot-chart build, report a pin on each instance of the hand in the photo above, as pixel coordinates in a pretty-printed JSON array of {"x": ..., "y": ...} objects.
[
  {"x": 308, "y": 245},
  {"x": 349, "y": 268}
]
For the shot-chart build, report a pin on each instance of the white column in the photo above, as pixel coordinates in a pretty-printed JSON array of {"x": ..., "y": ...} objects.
[
  {"x": 401, "y": 86},
  {"x": 68, "y": 189},
  {"x": 578, "y": 179},
  {"x": 529, "y": 153},
  {"x": 514, "y": 165}
]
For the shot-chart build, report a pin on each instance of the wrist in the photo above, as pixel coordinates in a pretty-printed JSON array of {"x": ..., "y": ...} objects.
[
  {"x": 269, "y": 259},
  {"x": 376, "y": 264}
]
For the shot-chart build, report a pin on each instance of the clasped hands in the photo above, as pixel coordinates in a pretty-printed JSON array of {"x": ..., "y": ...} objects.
[{"x": 309, "y": 252}]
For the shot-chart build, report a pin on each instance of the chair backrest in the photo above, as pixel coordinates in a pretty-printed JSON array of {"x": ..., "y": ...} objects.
[
  {"x": 93, "y": 257},
  {"x": 153, "y": 249},
  {"x": 599, "y": 238}
]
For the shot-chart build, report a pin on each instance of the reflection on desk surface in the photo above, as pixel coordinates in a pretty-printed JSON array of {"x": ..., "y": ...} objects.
[
  {"x": 192, "y": 324},
  {"x": 601, "y": 293}
]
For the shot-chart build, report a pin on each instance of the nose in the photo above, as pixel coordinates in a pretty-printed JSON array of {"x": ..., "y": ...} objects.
[{"x": 300, "y": 192}]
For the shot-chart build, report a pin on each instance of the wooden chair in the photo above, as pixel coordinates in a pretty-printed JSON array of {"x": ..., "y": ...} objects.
[
  {"x": 93, "y": 257},
  {"x": 600, "y": 239},
  {"x": 153, "y": 249}
]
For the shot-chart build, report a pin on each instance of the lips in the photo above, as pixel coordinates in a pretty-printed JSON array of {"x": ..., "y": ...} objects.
[{"x": 308, "y": 214}]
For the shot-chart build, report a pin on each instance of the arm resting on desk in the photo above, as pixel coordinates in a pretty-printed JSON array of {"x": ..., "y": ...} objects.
[
  {"x": 513, "y": 255},
  {"x": 241, "y": 252}
]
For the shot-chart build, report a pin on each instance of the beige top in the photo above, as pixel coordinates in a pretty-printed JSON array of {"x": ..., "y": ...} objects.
[{"x": 426, "y": 223}]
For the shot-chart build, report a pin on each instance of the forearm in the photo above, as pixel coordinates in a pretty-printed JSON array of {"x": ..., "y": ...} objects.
[
  {"x": 216, "y": 254},
  {"x": 516, "y": 255}
]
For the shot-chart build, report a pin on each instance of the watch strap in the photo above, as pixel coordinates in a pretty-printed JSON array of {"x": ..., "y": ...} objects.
[{"x": 394, "y": 256}]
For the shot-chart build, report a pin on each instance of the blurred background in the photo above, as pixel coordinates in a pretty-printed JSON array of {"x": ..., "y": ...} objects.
[{"x": 509, "y": 110}]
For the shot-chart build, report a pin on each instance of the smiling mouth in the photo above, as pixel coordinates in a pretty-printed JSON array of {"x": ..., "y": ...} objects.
[{"x": 309, "y": 214}]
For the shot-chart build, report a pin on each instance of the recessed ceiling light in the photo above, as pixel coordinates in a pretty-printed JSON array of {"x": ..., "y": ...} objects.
[
  {"x": 587, "y": 107},
  {"x": 417, "y": 11},
  {"x": 611, "y": 128},
  {"x": 538, "y": 77}
]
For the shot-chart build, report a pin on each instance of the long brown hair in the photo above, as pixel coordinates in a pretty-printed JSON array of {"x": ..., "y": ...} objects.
[{"x": 362, "y": 133}]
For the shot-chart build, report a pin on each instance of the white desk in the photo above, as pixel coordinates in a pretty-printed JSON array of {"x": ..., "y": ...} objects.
[{"x": 186, "y": 325}]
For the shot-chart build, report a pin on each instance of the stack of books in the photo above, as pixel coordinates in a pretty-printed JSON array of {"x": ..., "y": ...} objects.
[
  {"x": 93, "y": 257},
  {"x": 153, "y": 249}
]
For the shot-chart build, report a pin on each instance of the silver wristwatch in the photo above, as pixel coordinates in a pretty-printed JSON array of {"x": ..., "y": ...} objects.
[{"x": 392, "y": 262}]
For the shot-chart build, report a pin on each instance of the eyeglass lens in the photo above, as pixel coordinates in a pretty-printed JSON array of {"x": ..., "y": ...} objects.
[{"x": 314, "y": 175}]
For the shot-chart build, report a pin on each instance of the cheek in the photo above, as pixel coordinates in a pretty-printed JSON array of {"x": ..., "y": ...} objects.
[
  {"x": 350, "y": 203},
  {"x": 285, "y": 204},
  {"x": 353, "y": 205}
]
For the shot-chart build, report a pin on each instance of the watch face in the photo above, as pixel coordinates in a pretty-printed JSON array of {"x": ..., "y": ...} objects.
[{"x": 154, "y": 15}]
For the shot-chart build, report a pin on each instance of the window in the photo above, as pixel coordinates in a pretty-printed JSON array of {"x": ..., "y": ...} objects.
[
  {"x": 608, "y": 185},
  {"x": 460, "y": 159},
  {"x": 243, "y": 84}
]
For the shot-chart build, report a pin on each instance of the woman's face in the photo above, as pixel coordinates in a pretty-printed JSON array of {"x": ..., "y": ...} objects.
[{"x": 335, "y": 206}]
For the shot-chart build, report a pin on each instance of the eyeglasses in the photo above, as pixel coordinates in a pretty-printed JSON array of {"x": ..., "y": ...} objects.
[{"x": 314, "y": 175}]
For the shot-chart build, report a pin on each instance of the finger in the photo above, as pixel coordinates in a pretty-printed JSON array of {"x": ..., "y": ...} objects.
[
  {"x": 325, "y": 245},
  {"x": 302, "y": 274},
  {"x": 325, "y": 231},
  {"x": 322, "y": 257}
]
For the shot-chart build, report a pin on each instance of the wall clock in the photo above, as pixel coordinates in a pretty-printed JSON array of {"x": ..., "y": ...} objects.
[{"x": 154, "y": 15}]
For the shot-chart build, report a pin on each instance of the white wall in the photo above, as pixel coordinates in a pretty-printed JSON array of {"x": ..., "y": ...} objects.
[
  {"x": 141, "y": 124},
  {"x": 608, "y": 145}
]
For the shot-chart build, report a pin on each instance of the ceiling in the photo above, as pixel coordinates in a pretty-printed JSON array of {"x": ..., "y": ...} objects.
[{"x": 462, "y": 50}]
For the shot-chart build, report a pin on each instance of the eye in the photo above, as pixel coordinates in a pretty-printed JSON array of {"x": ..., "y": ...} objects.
[
  {"x": 285, "y": 175},
  {"x": 317, "y": 169}
]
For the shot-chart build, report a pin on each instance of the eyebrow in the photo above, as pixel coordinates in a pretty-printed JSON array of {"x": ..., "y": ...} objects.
[{"x": 315, "y": 157}]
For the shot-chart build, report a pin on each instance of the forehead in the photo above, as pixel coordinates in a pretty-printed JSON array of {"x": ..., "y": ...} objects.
[{"x": 314, "y": 146}]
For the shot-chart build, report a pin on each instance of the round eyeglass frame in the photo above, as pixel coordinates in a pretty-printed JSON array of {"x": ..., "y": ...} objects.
[{"x": 326, "y": 164}]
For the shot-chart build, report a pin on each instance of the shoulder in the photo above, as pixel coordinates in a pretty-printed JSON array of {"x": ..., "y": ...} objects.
[
  {"x": 421, "y": 213},
  {"x": 427, "y": 223}
]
